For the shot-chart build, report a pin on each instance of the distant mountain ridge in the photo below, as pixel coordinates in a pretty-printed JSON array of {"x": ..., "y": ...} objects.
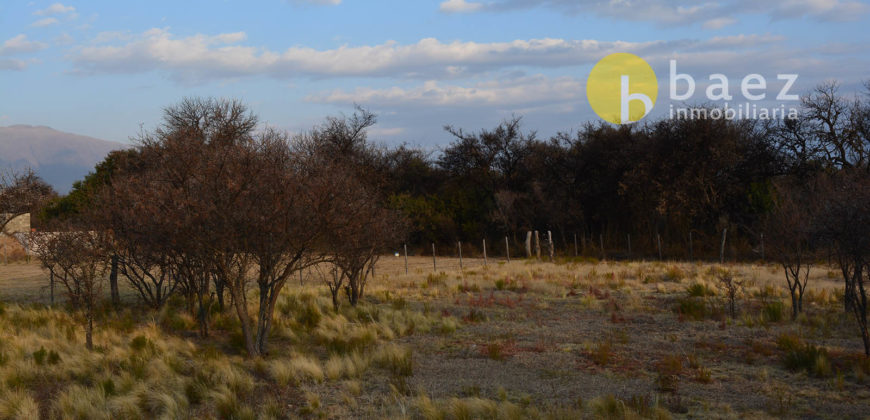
[{"x": 58, "y": 157}]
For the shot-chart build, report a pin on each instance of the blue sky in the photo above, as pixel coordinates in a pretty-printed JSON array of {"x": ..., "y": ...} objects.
[{"x": 105, "y": 68}]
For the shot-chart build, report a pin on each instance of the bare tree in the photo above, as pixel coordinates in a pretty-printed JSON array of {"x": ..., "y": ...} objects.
[
  {"x": 731, "y": 285},
  {"x": 78, "y": 260},
  {"x": 360, "y": 231},
  {"x": 844, "y": 223},
  {"x": 21, "y": 192},
  {"x": 192, "y": 193},
  {"x": 358, "y": 226},
  {"x": 837, "y": 126},
  {"x": 791, "y": 232}
]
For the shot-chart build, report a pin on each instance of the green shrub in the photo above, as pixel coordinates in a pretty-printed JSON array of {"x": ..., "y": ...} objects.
[
  {"x": 669, "y": 370},
  {"x": 692, "y": 308},
  {"x": 433, "y": 279},
  {"x": 43, "y": 356},
  {"x": 814, "y": 360},
  {"x": 474, "y": 316},
  {"x": 798, "y": 356},
  {"x": 699, "y": 290},
  {"x": 602, "y": 353},
  {"x": 108, "y": 387},
  {"x": 773, "y": 311},
  {"x": 39, "y": 356},
  {"x": 138, "y": 343},
  {"x": 788, "y": 342},
  {"x": 673, "y": 274}
]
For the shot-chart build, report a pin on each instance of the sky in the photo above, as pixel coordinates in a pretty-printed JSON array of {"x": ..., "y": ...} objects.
[{"x": 107, "y": 68}]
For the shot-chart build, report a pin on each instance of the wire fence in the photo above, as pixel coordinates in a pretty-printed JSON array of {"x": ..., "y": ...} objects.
[{"x": 544, "y": 246}]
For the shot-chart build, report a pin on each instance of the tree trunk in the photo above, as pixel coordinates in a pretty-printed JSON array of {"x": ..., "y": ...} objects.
[
  {"x": 89, "y": 330},
  {"x": 219, "y": 291},
  {"x": 353, "y": 289},
  {"x": 202, "y": 316},
  {"x": 113, "y": 282},
  {"x": 795, "y": 305},
  {"x": 264, "y": 323},
  {"x": 245, "y": 320}
]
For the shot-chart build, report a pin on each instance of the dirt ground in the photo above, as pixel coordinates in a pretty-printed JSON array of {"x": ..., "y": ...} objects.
[{"x": 571, "y": 333}]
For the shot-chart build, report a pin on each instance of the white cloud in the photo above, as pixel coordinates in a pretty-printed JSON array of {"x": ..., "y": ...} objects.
[
  {"x": 111, "y": 36},
  {"x": 55, "y": 9},
  {"x": 460, "y": 6},
  {"x": 64, "y": 39},
  {"x": 12, "y": 64},
  {"x": 719, "y": 23},
  {"x": 201, "y": 57},
  {"x": 687, "y": 12},
  {"x": 518, "y": 91},
  {"x": 44, "y": 22},
  {"x": 385, "y": 131},
  {"x": 20, "y": 44},
  {"x": 834, "y": 10}
]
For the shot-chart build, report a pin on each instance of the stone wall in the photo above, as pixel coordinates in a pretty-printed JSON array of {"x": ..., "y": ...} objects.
[{"x": 20, "y": 224}]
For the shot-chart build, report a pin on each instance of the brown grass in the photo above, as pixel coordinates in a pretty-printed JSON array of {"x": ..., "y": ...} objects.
[{"x": 519, "y": 340}]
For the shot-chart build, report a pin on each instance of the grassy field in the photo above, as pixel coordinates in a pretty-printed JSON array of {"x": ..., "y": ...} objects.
[{"x": 526, "y": 339}]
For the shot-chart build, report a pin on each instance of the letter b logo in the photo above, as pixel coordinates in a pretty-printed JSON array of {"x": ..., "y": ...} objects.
[{"x": 622, "y": 88}]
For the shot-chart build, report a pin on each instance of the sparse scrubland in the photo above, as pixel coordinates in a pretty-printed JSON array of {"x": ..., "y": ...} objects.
[
  {"x": 572, "y": 339},
  {"x": 219, "y": 270}
]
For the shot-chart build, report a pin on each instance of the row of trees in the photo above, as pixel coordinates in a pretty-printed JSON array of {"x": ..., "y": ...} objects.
[
  {"x": 667, "y": 178},
  {"x": 822, "y": 200},
  {"x": 206, "y": 199},
  {"x": 826, "y": 215},
  {"x": 208, "y": 207}
]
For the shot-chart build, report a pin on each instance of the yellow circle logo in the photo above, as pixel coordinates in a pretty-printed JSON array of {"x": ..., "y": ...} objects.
[{"x": 622, "y": 88}]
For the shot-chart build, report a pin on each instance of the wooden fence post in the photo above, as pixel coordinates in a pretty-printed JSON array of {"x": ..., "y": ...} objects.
[
  {"x": 406, "y": 259},
  {"x": 529, "y": 244},
  {"x": 507, "y": 248},
  {"x": 460, "y": 255},
  {"x": 659, "y": 242},
  {"x": 434, "y": 265},
  {"x": 484, "y": 252},
  {"x": 575, "y": 245},
  {"x": 552, "y": 248},
  {"x": 537, "y": 246}
]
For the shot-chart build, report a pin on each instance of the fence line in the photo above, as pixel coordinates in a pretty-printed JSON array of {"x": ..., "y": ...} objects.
[{"x": 463, "y": 252}]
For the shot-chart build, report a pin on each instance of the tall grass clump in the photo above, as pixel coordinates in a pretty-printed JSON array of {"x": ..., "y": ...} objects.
[
  {"x": 17, "y": 404},
  {"x": 296, "y": 370}
]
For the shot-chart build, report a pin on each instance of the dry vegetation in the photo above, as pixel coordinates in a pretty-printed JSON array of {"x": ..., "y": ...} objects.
[{"x": 520, "y": 340}]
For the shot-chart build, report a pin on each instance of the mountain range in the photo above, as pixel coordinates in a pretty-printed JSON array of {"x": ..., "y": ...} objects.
[{"x": 59, "y": 158}]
